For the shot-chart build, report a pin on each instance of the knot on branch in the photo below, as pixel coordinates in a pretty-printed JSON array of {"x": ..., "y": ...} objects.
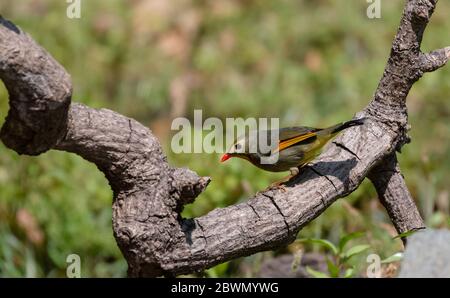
[
  {"x": 124, "y": 235},
  {"x": 422, "y": 10},
  {"x": 186, "y": 185},
  {"x": 403, "y": 137}
]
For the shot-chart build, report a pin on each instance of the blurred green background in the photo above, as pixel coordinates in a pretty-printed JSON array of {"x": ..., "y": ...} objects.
[{"x": 307, "y": 62}]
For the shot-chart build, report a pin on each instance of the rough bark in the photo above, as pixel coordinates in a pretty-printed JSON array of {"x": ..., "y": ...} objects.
[
  {"x": 149, "y": 194},
  {"x": 395, "y": 196}
]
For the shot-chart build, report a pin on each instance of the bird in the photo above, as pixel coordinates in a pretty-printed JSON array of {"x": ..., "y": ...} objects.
[{"x": 296, "y": 146}]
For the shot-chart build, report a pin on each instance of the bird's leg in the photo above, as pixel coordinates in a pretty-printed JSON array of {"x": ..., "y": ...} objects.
[{"x": 294, "y": 171}]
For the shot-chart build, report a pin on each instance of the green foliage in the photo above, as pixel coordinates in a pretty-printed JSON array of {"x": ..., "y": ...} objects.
[
  {"x": 316, "y": 274},
  {"x": 405, "y": 234},
  {"x": 325, "y": 243},
  {"x": 346, "y": 238},
  {"x": 307, "y": 62},
  {"x": 218, "y": 271},
  {"x": 355, "y": 250},
  {"x": 394, "y": 258},
  {"x": 338, "y": 262}
]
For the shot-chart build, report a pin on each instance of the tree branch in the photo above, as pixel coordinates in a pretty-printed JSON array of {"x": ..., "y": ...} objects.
[
  {"x": 434, "y": 60},
  {"x": 395, "y": 197},
  {"x": 39, "y": 89},
  {"x": 149, "y": 194}
]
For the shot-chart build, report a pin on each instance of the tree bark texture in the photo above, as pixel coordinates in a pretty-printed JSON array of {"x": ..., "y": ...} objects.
[{"x": 149, "y": 194}]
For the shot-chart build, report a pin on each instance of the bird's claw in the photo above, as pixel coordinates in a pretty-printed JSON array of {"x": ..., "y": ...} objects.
[
  {"x": 277, "y": 186},
  {"x": 280, "y": 185}
]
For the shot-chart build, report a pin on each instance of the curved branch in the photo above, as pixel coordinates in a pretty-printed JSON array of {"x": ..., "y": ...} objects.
[
  {"x": 149, "y": 194},
  {"x": 39, "y": 89}
]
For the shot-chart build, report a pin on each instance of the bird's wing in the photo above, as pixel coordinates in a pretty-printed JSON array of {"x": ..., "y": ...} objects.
[{"x": 293, "y": 135}]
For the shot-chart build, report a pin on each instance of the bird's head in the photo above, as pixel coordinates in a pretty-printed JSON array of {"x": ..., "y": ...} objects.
[{"x": 238, "y": 149}]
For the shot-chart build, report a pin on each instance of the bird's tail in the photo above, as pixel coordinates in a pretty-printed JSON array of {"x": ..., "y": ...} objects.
[
  {"x": 326, "y": 134},
  {"x": 339, "y": 127},
  {"x": 333, "y": 130}
]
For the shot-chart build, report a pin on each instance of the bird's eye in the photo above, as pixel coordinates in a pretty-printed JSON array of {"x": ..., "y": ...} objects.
[{"x": 237, "y": 146}]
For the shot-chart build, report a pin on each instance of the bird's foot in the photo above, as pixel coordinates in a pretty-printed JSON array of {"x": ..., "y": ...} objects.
[{"x": 278, "y": 185}]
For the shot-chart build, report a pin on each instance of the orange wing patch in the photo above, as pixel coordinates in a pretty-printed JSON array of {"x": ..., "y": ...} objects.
[{"x": 289, "y": 142}]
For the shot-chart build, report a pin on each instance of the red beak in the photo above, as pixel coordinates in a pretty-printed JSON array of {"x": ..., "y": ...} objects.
[{"x": 225, "y": 157}]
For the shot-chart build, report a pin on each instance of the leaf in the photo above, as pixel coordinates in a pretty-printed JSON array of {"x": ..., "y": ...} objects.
[
  {"x": 349, "y": 272},
  {"x": 405, "y": 234},
  {"x": 315, "y": 273},
  {"x": 332, "y": 268},
  {"x": 355, "y": 250},
  {"x": 327, "y": 244},
  {"x": 394, "y": 258},
  {"x": 344, "y": 240}
]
